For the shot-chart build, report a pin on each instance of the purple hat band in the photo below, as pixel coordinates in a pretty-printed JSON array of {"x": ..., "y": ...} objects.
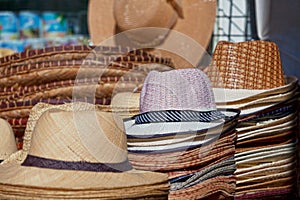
[{"x": 181, "y": 89}]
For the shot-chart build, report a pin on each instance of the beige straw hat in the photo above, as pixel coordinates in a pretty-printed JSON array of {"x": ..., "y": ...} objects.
[
  {"x": 161, "y": 24},
  {"x": 75, "y": 147},
  {"x": 7, "y": 141}
]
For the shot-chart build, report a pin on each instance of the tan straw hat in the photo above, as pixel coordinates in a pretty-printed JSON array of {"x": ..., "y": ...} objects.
[
  {"x": 246, "y": 65},
  {"x": 147, "y": 24},
  {"x": 73, "y": 148},
  {"x": 7, "y": 141}
]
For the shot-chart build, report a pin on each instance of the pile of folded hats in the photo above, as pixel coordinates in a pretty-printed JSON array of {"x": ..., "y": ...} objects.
[
  {"x": 76, "y": 151},
  {"x": 180, "y": 132},
  {"x": 62, "y": 74},
  {"x": 249, "y": 76}
]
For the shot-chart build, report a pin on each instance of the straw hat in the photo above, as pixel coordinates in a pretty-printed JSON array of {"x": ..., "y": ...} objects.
[
  {"x": 181, "y": 89},
  {"x": 177, "y": 101},
  {"x": 7, "y": 142},
  {"x": 74, "y": 147},
  {"x": 246, "y": 65},
  {"x": 161, "y": 24}
]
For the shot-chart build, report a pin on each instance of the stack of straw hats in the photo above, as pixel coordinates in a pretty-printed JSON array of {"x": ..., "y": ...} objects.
[
  {"x": 249, "y": 76},
  {"x": 62, "y": 74},
  {"x": 76, "y": 151},
  {"x": 180, "y": 132}
]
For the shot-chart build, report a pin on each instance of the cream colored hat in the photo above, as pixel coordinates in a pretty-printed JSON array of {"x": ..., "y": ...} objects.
[
  {"x": 164, "y": 24},
  {"x": 7, "y": 141},
  {"x": 73, "y": 148}
]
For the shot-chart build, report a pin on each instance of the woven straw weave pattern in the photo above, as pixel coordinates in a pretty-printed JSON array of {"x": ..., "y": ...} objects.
[
  {"x": 246, "y": 65},
  {"x": 182, "y": 89}
]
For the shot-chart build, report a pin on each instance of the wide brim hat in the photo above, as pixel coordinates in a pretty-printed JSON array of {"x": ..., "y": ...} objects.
[
  {"x": 8, "y": 142},
  {"x": 51, "y": 137},
  {"x": 191, "y": 21}
]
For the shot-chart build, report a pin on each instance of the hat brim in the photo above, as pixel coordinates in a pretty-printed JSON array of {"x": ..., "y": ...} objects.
[
  {"x": 196, "y": 27},
  {"x": 262, "y": 165},
  {"x": 266, "y": 123},
  {"x": 240, "y": 96},
  {"x": 14, "y": 174},
  {"x": 268, "y": 131},
  {"x": 162, "y": 129}
]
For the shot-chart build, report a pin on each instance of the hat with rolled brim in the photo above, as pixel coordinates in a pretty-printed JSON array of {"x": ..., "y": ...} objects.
[
  {"x": 161, "y": 24},
  {"x": 71, "y": 148}
]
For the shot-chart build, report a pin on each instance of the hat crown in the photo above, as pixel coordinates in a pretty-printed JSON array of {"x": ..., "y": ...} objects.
[
  {"x": 134, "y": 15},
  {"x": 7, "y": 141},
  {"x": 246, "y": 65},
  {"x": 131, "y": 14},
  {"x": 182, "y": 89},
  {"x": 79, "y": 136}
]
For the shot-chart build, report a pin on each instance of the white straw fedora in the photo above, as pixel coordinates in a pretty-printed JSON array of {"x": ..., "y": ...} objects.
[
  {"x": 76, "y": 148},
  {"x": 7, "y": 141}
]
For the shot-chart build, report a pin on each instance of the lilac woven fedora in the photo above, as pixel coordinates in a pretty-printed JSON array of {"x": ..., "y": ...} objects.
[{"x": 182, "y": 89}]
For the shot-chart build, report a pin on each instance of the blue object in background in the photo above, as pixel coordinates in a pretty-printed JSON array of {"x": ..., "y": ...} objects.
[
  {"x": 8, "y": 26},
  {"x": 30, "y": 25},
  {"x": 54, "y": 24}
]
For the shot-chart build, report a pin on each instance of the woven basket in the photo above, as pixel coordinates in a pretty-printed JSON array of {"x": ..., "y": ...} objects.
[{"x": 246, "y": 65}]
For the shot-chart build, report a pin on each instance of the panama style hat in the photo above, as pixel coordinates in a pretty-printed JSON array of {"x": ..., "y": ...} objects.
[
  {"x": 177, "y": 102},
  {"x": 7, "y": 142},
  {"x": 73, "y": 150},
  {"x": 158, "y": 24}
]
